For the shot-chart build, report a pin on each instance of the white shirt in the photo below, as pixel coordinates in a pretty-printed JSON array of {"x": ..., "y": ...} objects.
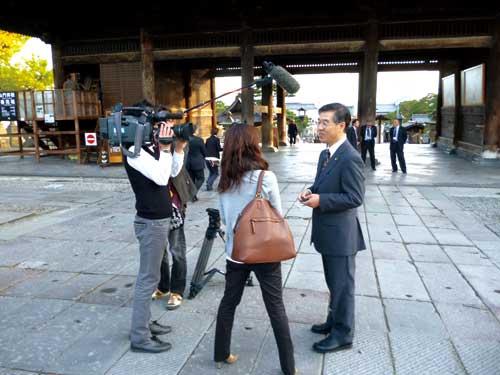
[
  {"x": 159, "y": 171},
  {"x": 333, "y": 148},
  {"x": 368, "y": 134},
  {"x": 395, "y": 133}
]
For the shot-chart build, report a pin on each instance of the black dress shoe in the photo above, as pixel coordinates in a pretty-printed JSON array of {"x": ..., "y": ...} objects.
[
  {"x": 159, "y": 329},
  {"x": 155, "y": 345},
  {"x": 322, "y": 329},
  {"x": 331, "y": 344}
]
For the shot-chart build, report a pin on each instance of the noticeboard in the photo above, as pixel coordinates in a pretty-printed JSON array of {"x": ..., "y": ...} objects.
[{"x": 8, "y": 106}]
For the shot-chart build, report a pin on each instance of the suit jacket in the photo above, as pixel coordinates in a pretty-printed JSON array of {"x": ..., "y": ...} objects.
[
  {"x": 353, "y": 136},
  {"x": 335, "y": 226},
  {"x": 402, "y": 136},
  {"x": 373, "y": 133},
  {"x": 213, "y": 147},
  {"x": 196, "y": 154}
]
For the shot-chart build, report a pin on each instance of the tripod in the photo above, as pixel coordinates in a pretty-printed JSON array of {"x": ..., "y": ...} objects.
[{"x": 200, "y": 277}]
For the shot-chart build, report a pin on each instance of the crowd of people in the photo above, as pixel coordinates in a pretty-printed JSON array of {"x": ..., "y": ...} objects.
[{"x": 165, "y": 178}]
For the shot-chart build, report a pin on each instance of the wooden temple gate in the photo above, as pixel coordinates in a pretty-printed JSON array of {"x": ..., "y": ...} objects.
[{"x": 177, "y": 65}]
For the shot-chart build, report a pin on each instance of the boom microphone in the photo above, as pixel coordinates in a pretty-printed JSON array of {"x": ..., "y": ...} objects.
[
  {"x": 165, "y": 115},
  {"x": 282, "y": 77}
]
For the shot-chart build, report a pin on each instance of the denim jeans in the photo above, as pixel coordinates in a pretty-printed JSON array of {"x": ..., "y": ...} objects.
[{"x": 174, "y": 282}]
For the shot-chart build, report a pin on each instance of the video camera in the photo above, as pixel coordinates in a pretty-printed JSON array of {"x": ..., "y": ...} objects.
[{"x": 134, "y": 125}]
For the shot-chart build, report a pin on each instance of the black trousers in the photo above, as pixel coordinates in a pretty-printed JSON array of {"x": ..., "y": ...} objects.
[
  {"x": 370, "y": 147},
  {"x": 269, "y": 276},
  {"x": 198, "y": 176},
  {"x": 397, "y": 150},
  {"x": 174, "y": 282},
  {"x": 292, "y": 138},
  {"x": 339, "y": 276}
]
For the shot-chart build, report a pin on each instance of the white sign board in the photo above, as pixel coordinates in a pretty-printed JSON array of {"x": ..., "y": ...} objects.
[{"x": 90, "y": 139}]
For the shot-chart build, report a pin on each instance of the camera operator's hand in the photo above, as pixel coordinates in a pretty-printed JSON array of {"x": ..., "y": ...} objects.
[{"x": 166, "y": 131}]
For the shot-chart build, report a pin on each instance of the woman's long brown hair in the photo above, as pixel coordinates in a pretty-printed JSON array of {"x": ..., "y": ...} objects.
[{"x": 241, "y": 153}]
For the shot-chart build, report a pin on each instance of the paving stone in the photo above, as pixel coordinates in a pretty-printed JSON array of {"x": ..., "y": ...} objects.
[
  {"x": 446, "y": 284},
  {"x": 9, "y": 216},
  {"x": 490, "y": 248},
  {"x": 437, "y": 222},
  {"x": 370, "y": 355},
  {"x": 420, "y": 203},
  {"x": 306, "y": 361},
  {"x": 307, "y": 280},
  {"x": 389, "y": 250},
  {"x": 426, "y": 211},
  {"x": 8, "y": 304},
  {"x": 486, "y": 282},
  {"x": 97, "y": 351},
  {"x": 192, "y": 351},
  {"x": 416, "y": 234},
  {"x": 9, "y": 277},
  {"x": 377, "y": 208},
  {"x": 305, "y": 306},
  {"x": 467, "y": 255},
  {"x": 365, "y": 281},
  {"x": 427, "y": 253},
  {"x": 402, "y": 210},
  {"x": 75, "y": 287},
  {"x": 450, "y": 237},
  {"x": 417, "y": 354},
  {"x": 5, "y": 371},
  {"x": 414, "y": 318},
  {"x": 407, "y": 220},
  {"x": 308, "y": 263},
  {"x": 369, "y": 315},
  {"x": 380, "y": 219},
  {"x": 468, "y": 322},
  {"x": 384, "y": 234},
  {"x": 480, "y": 357},
  {"x": 399, "y": 279},
  {"x": 36, "y": 286},
  {"x": 117, "y": 292}
]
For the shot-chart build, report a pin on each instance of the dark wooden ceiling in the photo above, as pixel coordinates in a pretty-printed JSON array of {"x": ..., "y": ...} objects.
[{"x": 98, "y": 19}]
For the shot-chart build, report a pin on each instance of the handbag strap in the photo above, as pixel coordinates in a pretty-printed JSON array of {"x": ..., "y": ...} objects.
[{"x": 258, "y": 194}]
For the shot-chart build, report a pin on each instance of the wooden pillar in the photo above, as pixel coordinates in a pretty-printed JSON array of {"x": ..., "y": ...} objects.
[
  {"x": 457, "y": 134},
  {"x": 186, "y": 79},
  {"x": 57, "y": 64},
  {"x": 267, "y": 118},
  {"x": 282, "y": 130},
  {"x": 77, "y": 128},
  {"x": 492, "y": 121},
  {"x": 213, "y": 104},
  {"x": 247, "y": 62},
  {"x": 147, "y": 67},
  {"x": 439, "y": 117},
  {"x": 360, "y": 90},
  {"x": 369, "y": 86}
]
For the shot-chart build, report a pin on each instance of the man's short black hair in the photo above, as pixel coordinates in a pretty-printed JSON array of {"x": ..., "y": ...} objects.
[{"x": 341, "y": 112}]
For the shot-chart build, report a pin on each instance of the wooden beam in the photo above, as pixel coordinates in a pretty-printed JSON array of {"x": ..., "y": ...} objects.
[
  {"x": 104, "y": 58},
  {"x": 436, "y": 43}
]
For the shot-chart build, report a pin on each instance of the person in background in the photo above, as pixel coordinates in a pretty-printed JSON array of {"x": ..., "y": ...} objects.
[
  {"x": 213, "y": 149},
  {"x": 242, "y": 161},
  {"x": 292, "y": 132},
  {"x": 398, "y": 137},
  {"x": 368, "y": 136},
  {"x": 352, "y": 134},
  {"x": 196, "y": 161}
]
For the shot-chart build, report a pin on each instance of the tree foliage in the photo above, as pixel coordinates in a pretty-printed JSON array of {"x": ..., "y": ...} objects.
[
  {"x": 425, "y": 105},
  {"x": 31, "y": 73}
]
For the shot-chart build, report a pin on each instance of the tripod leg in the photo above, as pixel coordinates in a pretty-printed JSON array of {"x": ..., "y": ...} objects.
[{"x": 201, "y": 265}]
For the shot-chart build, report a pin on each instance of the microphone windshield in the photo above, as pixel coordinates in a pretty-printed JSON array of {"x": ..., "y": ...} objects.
[{"x": 282, "y": 77}]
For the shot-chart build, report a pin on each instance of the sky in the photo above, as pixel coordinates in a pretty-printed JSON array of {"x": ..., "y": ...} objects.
[{"x": 318, "y": 89}]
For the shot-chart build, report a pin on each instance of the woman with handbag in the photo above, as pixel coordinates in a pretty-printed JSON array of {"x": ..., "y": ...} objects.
[{"x": 241, "y": 164}]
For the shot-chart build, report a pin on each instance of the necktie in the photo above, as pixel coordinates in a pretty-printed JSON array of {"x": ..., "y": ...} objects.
[{"x": 325, "y": 162}]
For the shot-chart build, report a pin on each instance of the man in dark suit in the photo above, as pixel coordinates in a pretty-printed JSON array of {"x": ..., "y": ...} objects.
[
  {"x": 398, "y": 136},
  {"x": 196, "y": 161},
  {"x": 352, "y": 134},
  {"x": 336, "y": 233},
  {"x": 213, "y": 148},
  {"x": 292, "y": 132},
  {"x": 368, "y": 136}
]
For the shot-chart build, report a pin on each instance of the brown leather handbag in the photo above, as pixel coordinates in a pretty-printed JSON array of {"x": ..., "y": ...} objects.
[{"x": 261, "y": 234}]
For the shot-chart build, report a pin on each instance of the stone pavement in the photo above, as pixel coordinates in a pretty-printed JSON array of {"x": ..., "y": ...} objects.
[{"x": 428, "y": 287}]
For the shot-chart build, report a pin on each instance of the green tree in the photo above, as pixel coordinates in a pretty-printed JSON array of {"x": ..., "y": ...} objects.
[
  {"x": 220, "y": 106},
  {"x": 30, "y": 74},
  {"x": 425, "y": 105}
]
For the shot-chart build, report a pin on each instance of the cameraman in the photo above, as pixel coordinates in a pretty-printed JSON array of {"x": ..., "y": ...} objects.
[{"x": 148, "y": 175}]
